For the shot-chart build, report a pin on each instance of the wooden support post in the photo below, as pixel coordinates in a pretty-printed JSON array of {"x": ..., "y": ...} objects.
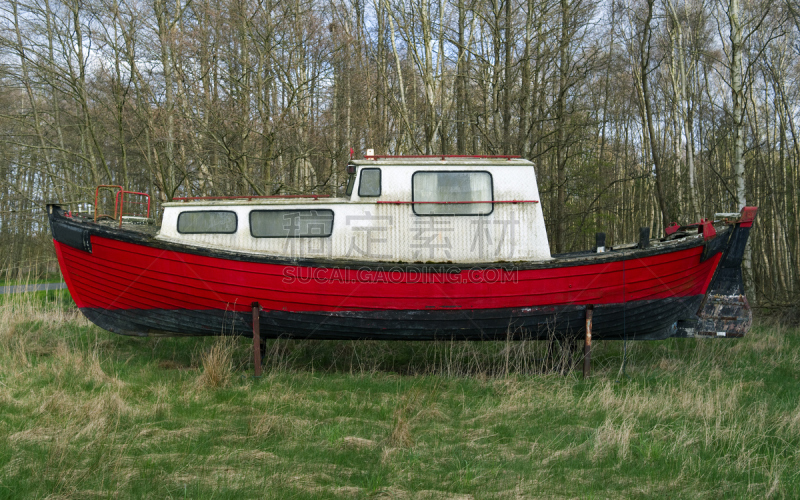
[
  {"x": 256, "y": 339},
  {"x": 587, "y": 344}
]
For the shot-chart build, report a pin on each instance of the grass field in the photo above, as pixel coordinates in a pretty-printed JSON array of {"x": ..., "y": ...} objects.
[
  {"x": 10, "y": 279},
  {"x": 88, "y": 414}
]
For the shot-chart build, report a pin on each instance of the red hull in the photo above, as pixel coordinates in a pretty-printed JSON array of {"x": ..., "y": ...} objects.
[{"x": 122, "y": 275}]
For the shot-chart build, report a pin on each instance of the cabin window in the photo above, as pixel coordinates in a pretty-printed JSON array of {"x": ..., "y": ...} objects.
[
  {"x": 370, "y": 184},
  {"x": 351, "y": 180},
  {"x": 207, "y": 222},
  {"x": 291, "y": 223},
  {"x": 452, "y": 193}
]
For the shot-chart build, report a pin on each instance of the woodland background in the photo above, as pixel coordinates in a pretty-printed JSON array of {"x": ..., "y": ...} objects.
[{"x": 635, "y": 113}]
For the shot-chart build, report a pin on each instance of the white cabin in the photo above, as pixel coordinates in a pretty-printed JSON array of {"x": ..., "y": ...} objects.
[{"x": 432, "y": 210}]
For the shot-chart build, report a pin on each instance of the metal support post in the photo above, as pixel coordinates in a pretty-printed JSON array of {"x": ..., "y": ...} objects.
[
  {"x": 587, "y": 344},
  {"x": 256, "y": 339}
]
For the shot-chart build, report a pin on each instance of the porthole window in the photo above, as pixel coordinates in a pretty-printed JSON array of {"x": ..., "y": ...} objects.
[
  {"x": 291, "y": 223},
  {"x": 452, "y": 193},
  {"x": 207, "y": 222},
  {"x": 370, "y": 184}
]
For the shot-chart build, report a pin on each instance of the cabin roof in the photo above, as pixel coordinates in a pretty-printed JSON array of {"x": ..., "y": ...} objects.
[
  {"x": 428, "y": 162},
  {"x": 442, "y": 161}
]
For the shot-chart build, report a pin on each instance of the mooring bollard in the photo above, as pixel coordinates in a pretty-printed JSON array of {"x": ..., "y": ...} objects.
[
  {"x": 644, "y": 237},
  {"x": 600, "y": 242},
  {"x": 256, "y": 339},
  {"x": 587, "y": 343}
]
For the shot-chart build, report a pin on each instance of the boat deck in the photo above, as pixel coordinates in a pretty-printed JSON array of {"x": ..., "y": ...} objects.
[
  {"x": 147, "y": 227},
  {"x": 150, "y": 230}
]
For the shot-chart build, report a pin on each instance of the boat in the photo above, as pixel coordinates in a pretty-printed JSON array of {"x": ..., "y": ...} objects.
[{"x": 416, "y": 248}]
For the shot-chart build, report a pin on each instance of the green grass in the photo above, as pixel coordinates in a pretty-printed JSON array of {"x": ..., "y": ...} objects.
[
  {"x": 88, "y": 414},
  {"x": 28, "y": 282},
  {"x": 10, "y": 278}
]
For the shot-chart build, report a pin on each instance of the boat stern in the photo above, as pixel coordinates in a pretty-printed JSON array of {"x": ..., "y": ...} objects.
[{"x": 724, "y": 311}]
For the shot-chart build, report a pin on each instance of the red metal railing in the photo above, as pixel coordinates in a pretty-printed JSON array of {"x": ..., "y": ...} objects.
[
  {"x": 121, "y": 202},
  {"x": 97, "y": 195}
]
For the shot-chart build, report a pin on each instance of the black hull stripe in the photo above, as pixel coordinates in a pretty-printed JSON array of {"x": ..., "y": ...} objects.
[{"x": 637, "y": 320}]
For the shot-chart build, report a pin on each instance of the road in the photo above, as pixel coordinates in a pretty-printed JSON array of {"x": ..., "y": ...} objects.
[{"x": 36, "y": 287}]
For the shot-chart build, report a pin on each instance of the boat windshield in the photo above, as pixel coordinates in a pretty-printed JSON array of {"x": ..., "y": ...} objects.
[{"x": 351, "y": 180}]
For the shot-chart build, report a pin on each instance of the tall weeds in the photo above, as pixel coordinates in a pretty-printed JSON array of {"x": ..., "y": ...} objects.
[
  {"x": 23, "y": 315},
  {"x": 217, "y": 363},
  {"x": 519, "y": 354},
  {"x": 695, "y": 418}
]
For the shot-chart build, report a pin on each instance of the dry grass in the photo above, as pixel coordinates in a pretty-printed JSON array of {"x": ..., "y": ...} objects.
[
  {"x": 217, "y": 363},
  {"x": 87, "y": 414},
  {"x": 613, "y": 438},
  {"x": 401, "y": 432}
]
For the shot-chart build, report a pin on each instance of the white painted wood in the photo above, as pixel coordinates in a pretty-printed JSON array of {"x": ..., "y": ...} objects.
[{"x": 364, "y": 230}]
